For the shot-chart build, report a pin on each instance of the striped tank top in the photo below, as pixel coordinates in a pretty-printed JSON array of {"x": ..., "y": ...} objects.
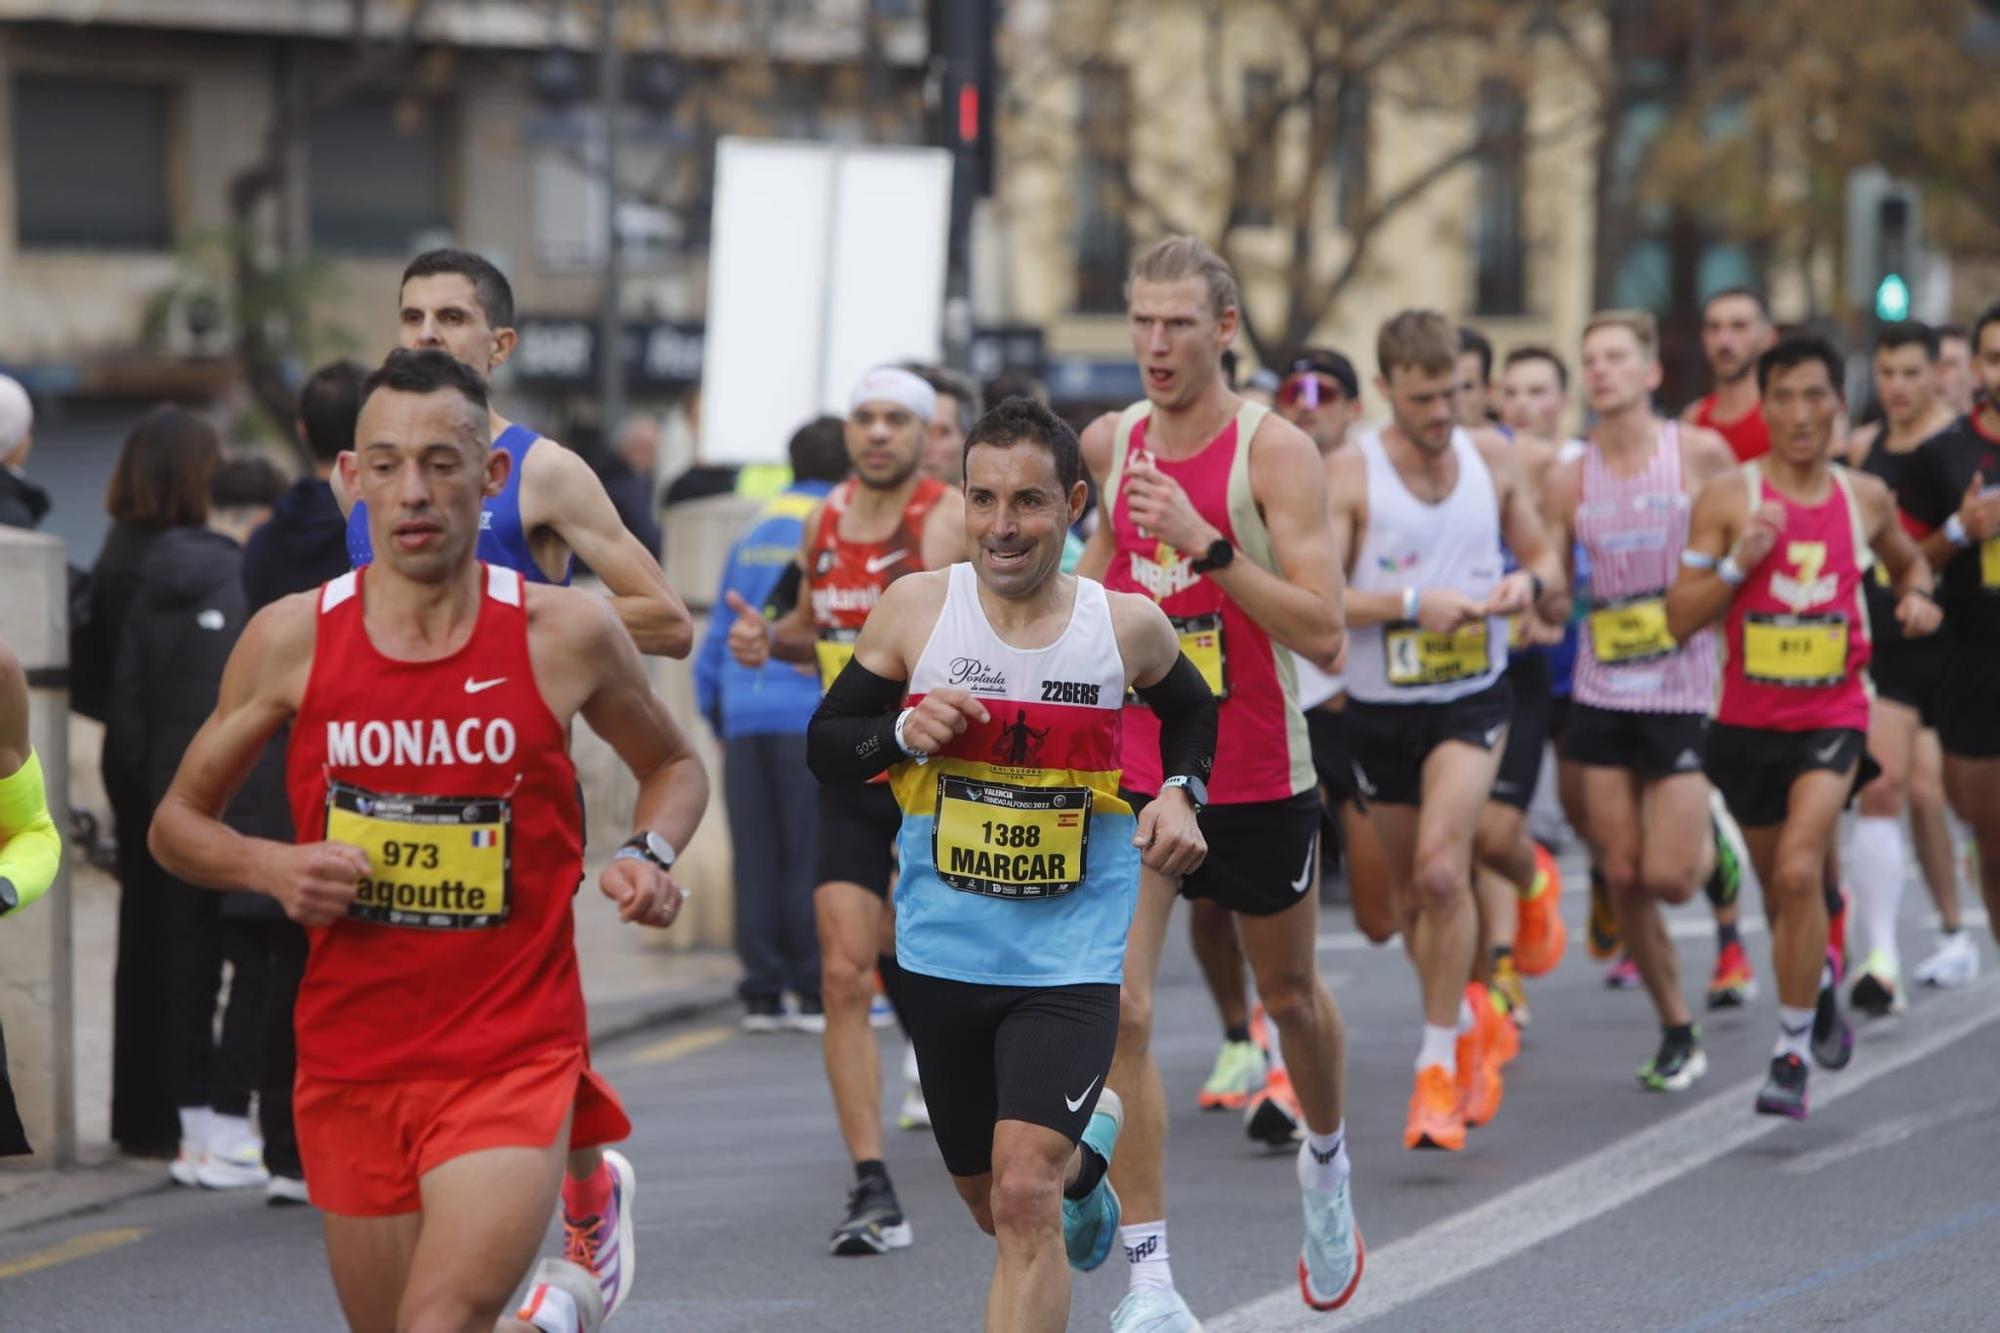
[{"x": 1633, "y": 528}]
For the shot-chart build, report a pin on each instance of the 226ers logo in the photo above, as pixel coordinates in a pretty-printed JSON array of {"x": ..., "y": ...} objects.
[{"x": 1167, "y": 573}]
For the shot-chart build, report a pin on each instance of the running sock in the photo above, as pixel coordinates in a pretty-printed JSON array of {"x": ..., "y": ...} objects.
[
  {"x": 1683, "y": 1032},
  {"x": 1088, "y": 1174},
  {"x": 873, "y": 1169},
  {"x": 1725, "y": 935},
  {"x": 1323, "y": 1160},
  {"x": 1794, "y": 1031},
  {"x": 196, "y": 1122},
  {"x": 1236, "y": 1032},
  {"x": 1440, "y": 1048},
  {"x": 553, "y": 1312},
  {"x": 1878, "y": 882},
  {"x": 1146, "y": 1251},
  {"x": 588, "y": 1198}
]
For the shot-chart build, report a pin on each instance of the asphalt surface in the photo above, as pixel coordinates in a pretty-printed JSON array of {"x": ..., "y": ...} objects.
[{"x": 1587, "y": 1204}]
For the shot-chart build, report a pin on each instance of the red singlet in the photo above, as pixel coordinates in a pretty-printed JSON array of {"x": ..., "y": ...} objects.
[
  {"x": 846, "y": 578},
  {"x": 1748, "y": 436}
]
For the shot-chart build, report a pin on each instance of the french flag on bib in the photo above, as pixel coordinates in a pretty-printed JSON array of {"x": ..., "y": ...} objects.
[{"x": 482, "y": 837}]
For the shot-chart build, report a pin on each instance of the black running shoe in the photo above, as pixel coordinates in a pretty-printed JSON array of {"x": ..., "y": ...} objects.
[
  {"x": 1832, "y": 1038},
  {"x": 1784, "y": 1090},
  {"x": 1678, "y": 1064},
  {"x": 874, "y": 1223}
]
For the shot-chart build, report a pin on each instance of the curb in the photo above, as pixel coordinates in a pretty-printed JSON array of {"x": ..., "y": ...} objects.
[{"x": 622, "y": 1020}]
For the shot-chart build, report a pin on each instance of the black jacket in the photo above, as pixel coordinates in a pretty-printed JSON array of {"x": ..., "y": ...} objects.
[
  {"x": 303, "y": 545},
  {"x": 22, "y": 503}
]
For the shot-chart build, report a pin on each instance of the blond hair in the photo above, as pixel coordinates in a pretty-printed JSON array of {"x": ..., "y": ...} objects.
[
  {"x": 1644, "y": 329},
  {"x": 1418, "y": 339},
  {"x": 1172, "y": 258}
]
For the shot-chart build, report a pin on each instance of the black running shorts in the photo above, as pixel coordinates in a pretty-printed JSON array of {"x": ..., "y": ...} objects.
[
  {"x": 1392, "y": 741},
  {"x": 1968, "y": 706},
  {"x": 1652, "y": 745},
  {"x": 1262, "y": 855},
  {"x": 1911, "y": 672},
  {"x": 858, "y": 824},
  {"x": 1754, "y": 769},
  {"x": 1327, "y": 731},
  {"x": 1528, "y": 731},
  {"x": 992, "y": 1053}
]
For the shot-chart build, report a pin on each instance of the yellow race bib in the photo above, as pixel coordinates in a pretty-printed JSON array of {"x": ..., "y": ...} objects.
[
  {"x": 1420, "y": 657},
  {"x": 1989, "y": 564},
  {"x": 833, "y": 651},
  {"x": 1631, "y": 630},
  {"x": 1795, "y": 651},
  {"x": 1006, "y": 841},
  {"x": 434, "y": 862},
  {"x": 1201, "y": 640}
]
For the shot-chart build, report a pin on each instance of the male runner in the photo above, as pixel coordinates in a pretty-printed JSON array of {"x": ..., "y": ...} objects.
[
  {"x": 1735, "y": 330},
  {"x": 1778, "y": 551},
  {"x": 553, "y": 507},
  {"x": 1472, "y": 402},
  {"x": 1020, "y": 858},
  {"x": 1216, "y": 510},
  {"x": 1951, "y": 489},
  {"x": 30, "y": 848},
  {"x": 957, "y": 408},
  {"x": 886, "y": 521},
  {"x": 1955, "y": 380},
  {"x": 1420, "y": 511},
  {"x": 1907, "y": 673},
  {"x": 444, "y": 1066},
  {"x": 1636, "y": 728}
]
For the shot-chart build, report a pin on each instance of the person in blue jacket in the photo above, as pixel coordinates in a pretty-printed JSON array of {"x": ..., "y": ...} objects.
[{"x": 760, "y": 716}]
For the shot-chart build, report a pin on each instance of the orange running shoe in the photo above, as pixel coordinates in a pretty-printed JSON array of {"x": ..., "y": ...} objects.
[
  {"x": 1437, "y": 1115},
  {"x": 1541, "y": 937},
  {"x": 1482, "y": 1054},
  {"x": 1273, "y": 1117}
]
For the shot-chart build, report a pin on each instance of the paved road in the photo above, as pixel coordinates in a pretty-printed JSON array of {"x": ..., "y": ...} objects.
[{"x": 1587, "y": 1204}]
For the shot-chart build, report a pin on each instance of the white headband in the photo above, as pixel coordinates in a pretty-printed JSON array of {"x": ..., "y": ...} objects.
[
  {"x": 17, "y": 414},
  {"x": 887, "y": 384}
]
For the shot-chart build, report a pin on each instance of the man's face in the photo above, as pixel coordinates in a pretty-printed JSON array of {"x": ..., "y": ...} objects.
[
  {"x": 1177, "y": 339},
  {"x": 1317, "y": 405},
  {"x": 1532, "y": 398},
  {"x": 944, "y": 443},
  {"x": 1905, "y": 381},
  {"x": 442, "y": 311},
  {"x": 1986, "y": 364},
  {"x": 1734, "y": 333},
  {"x": 1470, "y": 392},
  {"x": 422, "y": 464},
  {"x": 1801, "y": 405},
  {"x": 1617, "y": 372},
  {"x": 1016, "y": 516},
  {"x": 885, "y": 442},
  {"x": 1424, "y": 404},
  {"x": 1954, "y": 374}
]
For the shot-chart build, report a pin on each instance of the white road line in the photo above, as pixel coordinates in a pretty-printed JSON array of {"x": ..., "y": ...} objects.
[
  {"x": 1529, "y": 1214},
  {"x": 1889, "y": 1132}
]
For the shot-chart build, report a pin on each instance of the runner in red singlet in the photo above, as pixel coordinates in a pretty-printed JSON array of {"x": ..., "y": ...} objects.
[
  {"x": 443, "y": 1056},
  {"x": 1777, "y": 550},
  {"x": 1735, "y": 330},
  {"x": 886, "y": 521}
]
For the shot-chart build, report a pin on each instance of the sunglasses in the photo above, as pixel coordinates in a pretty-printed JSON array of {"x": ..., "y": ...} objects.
[{"x": 1309, "y": 390}]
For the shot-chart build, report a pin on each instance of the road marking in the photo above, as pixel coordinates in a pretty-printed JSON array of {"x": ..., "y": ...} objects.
[
  {"x": 673, "y": 1048},
  {"x": 1887, "y": 1133},
  {"x": 1535, "y": 1211},
  {"x": 76, "y": 1247}
]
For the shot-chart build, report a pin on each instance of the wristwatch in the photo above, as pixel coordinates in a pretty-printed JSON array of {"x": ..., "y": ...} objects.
[
  {"x": 646, "y": 846},
  {"x": 1220, "y": 553},
  {"x": 1196, "y": 789}
]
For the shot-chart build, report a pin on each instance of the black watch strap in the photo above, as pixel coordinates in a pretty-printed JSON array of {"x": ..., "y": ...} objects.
[{"x": 1218, "y": 556}]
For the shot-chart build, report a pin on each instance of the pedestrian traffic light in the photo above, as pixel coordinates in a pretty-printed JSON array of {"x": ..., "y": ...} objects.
[
  {"x": 1884, "y": 227},
  {"x": 1892, "y": 257},
  {"x": 1892, "y": 299}
]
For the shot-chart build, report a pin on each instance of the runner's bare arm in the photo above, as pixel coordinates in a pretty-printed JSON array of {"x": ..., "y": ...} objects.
[
  {"x": 944, "y": 530},
  {"x": 1146, "y": 638},
  {"x": 1698, "y": 595},
  {"x": 1915, "y": 584},
  {"x": 1168, "y": 834},
  {"x": 1562, "y": 490},
  {"x": 629, "y": 714},
  {"x": 1347, "y": 506},
  {"x": 1705, "y": 455},
  {"x": 1522, "y": 529},
  {"x": 573, "y": 503},
  {"x": 1096, "y": 441}
]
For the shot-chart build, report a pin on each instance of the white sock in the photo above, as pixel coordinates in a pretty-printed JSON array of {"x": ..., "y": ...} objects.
[
  {"x": 232, "y": 1134},
  {"x": 1146, "y": 1251},
  {"x": 1465, "y": 1018},
  {"x": 195, "y": 1128},
  {"x": 1323, "y": 1160},
  {"x": 1794, "y": 1031},
  {"x": 1878, "y": 880},
  {"x": 1440, "y": 1048},
  {"x": 555, "y": 1313}
]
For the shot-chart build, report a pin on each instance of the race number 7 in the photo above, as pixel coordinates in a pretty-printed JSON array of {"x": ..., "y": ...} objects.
[{"x": 1808, "y": 558}]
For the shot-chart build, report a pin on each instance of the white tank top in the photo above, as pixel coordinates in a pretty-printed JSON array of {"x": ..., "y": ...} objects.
[
  {"x": 1315, "y": 686},
  {"x": 1410, "y": 544}
]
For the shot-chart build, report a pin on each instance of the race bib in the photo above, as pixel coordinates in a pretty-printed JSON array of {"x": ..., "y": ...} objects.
[
  {"x": 1005, "y": 841},
  {"x": 1989, "y": 564},
  {"x": 833, "y": 651},
  {"x": 1795, "y": 651},
  {"x": 434, "y": 862},
  {"x": 1420, "y": 657},
  {"x": 1631, "y": 630},
  {"x": 1201, "y": 640}
]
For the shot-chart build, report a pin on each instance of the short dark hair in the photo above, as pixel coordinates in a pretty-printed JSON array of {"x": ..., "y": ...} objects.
[
  {"x": 1990, "y": 315},
  {"x": 425, "y": 370},
  {"x": 1540, "y": 352},
  {"x": 1952, "y": 330},
  {"x": 1472, "y": 340},
  {"x": 819, "y": 450},
  {"x": 1016, "y": 419},
  {"x": 246, "y": 481},
  {"x": 1747, "y": 293},
  {"x": 961, "y": 388},
  {"x": 1908, "y": 333},
  {"x": 161, "y": 477},
  {"x": 1014, "y": 384},
  {"x": 1797, "y": 349},
  {"x": 328, "y": 405},
  {"x": 489, "y": 285}
]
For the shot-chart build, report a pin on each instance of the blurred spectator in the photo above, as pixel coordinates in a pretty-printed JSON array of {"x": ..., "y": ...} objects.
[
  {"x": 30, "y": 848},
  {"x": 1261, "y": 387},
  {"x": 1014, "y": 384},
  {"x": 760, "y": 716},
  {"x": 957, "y": 408},
  {"x": 307, "y": 544},
  {"x": 628, "y": 478},
  {"x": 22, "y": 503},
  {"x": 159, "y": 484}
]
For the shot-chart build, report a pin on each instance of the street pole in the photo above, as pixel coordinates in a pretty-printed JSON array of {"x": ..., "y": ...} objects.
[{"x": 610, "y": 327}]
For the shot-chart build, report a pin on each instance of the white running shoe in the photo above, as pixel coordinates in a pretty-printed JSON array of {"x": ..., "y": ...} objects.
[
  {"x": 286, "y": 1191},
  {"x": 1954, "y": 964},
  {"x": 239, "y": 1168},
  {"x": 560, "y": 1287},
  {"x": 186, "y": 1166},
  {"x": 1154, "y": 1310}
]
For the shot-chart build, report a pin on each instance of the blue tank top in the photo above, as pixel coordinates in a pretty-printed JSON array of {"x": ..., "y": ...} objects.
[{"x": 502, "y": 539}]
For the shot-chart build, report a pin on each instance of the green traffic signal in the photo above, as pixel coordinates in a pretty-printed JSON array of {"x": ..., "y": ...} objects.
[{"x": 1892, "y": 298}]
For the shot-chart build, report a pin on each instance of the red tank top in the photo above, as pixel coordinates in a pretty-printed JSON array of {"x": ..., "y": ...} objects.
[
  {"x": 1748, "y": 436},
  {"x": 1797, "y": 631},
  {"x": 457, "y": 957},
  {"x": 1261, "y": 753}
]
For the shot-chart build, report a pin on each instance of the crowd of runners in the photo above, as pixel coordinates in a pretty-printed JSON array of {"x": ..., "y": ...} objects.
[{"x": 1288, "y": 632}]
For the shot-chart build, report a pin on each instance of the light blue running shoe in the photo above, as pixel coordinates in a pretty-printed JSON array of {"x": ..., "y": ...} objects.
[
  {"x": 1330, "y": 1261},
  {"x": 1154, "y": 1310},
  {"x": 1090, "y": 1224}
]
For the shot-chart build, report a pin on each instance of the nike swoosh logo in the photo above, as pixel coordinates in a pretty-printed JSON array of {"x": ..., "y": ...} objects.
[
  {"x": 877, "y": 563},
  {"x": 1305, "y": 871},
  {"x": 1494, "y": 735},
  {"x": 1826, "y": 755},
  {"x": 1075, "y": 1103},
  {"x": 476, "y": 686}
]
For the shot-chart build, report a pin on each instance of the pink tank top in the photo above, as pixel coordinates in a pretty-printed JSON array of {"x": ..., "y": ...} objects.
[{"x": 1633, "y": 529}]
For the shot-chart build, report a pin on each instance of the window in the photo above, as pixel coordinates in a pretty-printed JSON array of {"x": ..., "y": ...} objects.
[
  {"x": 376, "y": 176},
  {"x": 1256, "y": 203},
  {"x": 1103, "y": 247},
  {"x": 90, "y": 164},
  {"x": 1499, "y": 252},
  {"x": 1351, "y": 159},
  {"x": 569, "y": 203}
]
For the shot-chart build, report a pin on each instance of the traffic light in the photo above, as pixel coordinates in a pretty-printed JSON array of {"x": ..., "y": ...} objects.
[
  {"x": 1884, "y": 244},
  {"x": 1892, "y": 258}
]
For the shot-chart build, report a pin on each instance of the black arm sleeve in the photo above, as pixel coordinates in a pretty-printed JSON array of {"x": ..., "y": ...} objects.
[
  {"x": 785, "y": 592},
  {"x": 853, "y": 735},
  {"x": 1187, "y": 713}
]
